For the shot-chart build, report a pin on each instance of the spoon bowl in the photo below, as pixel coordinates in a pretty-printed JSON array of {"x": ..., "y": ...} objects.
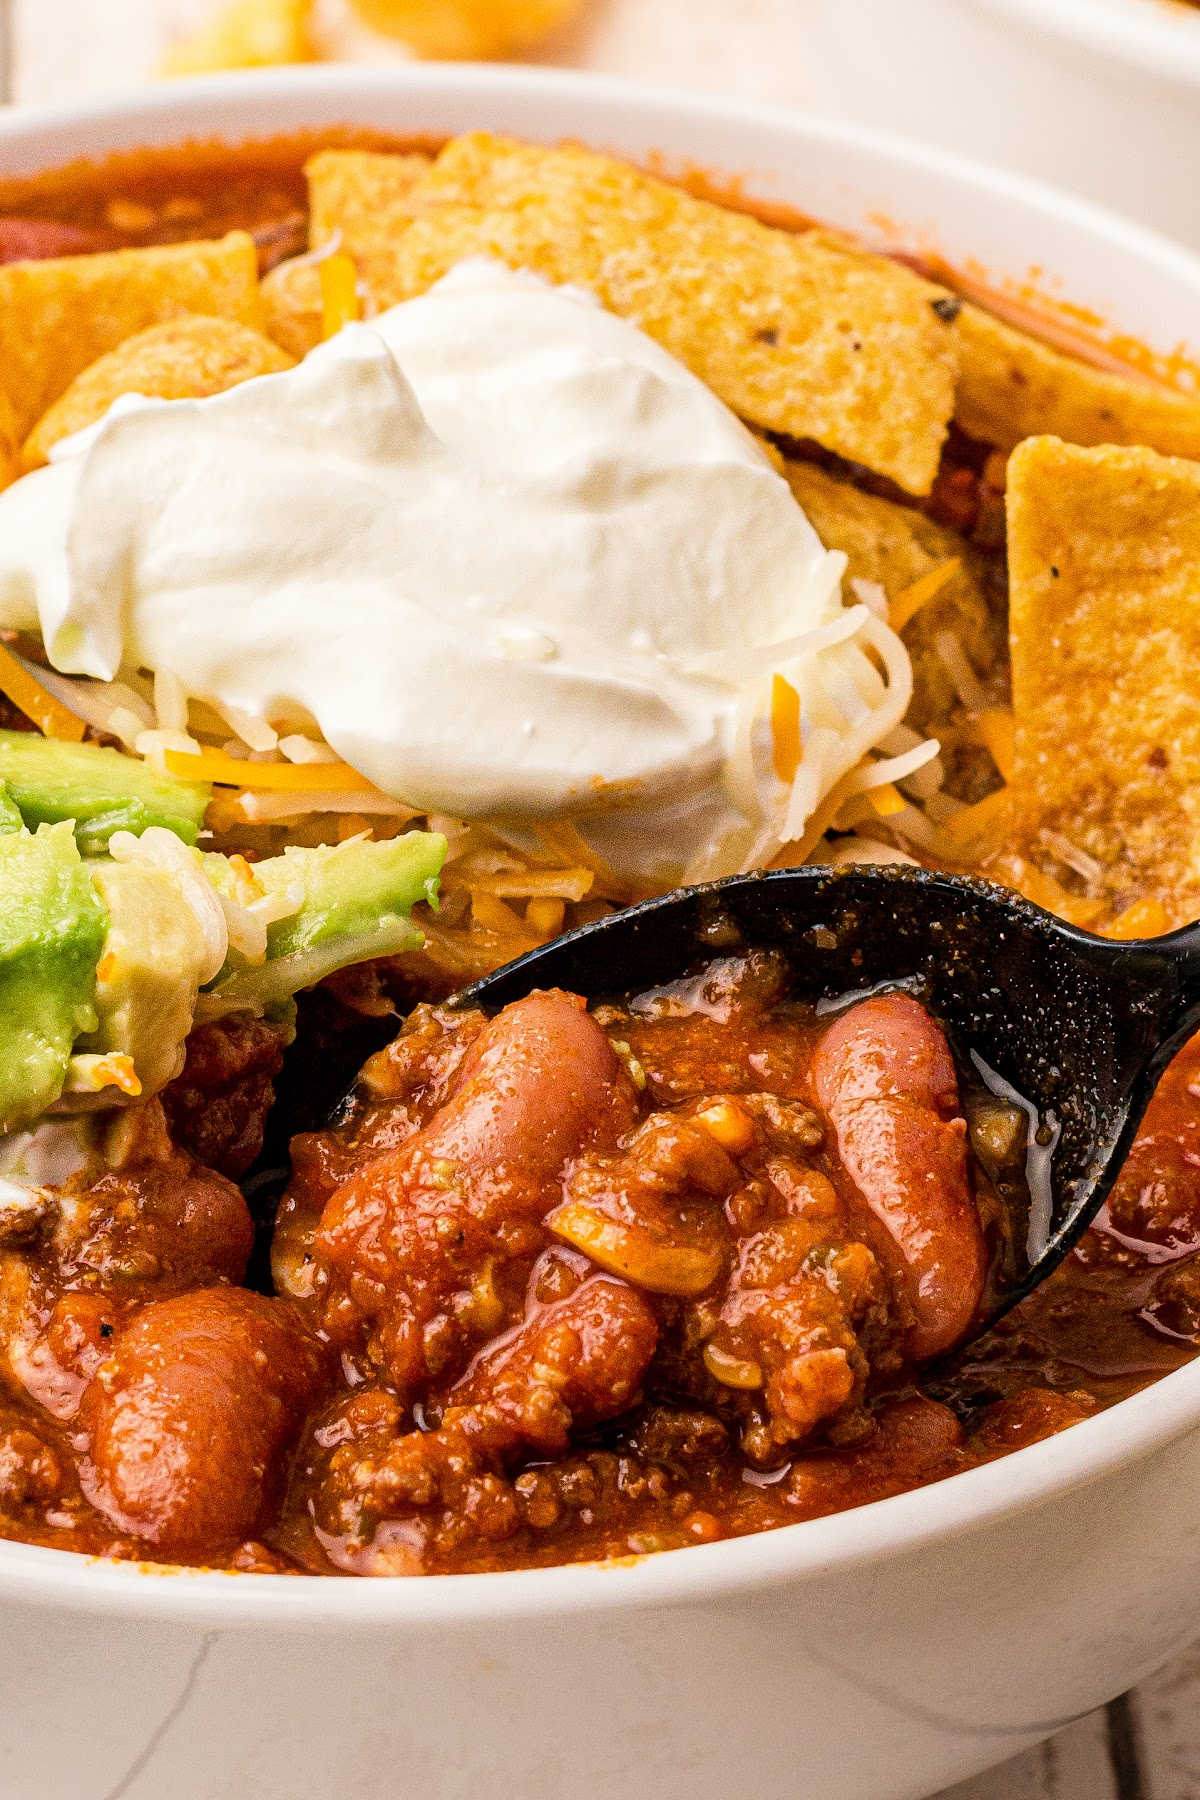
[{"x": 1076, "y": 1028}]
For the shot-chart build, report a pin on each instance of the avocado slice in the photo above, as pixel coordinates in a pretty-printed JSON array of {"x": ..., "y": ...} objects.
[
  {"x": 52, "y": 927},
  {"x": 101, "y": 963},
  {"x": 149, "y": 973},
  {"x": 355, "y": 905},
  {"x": 10, "y": 813},
  {"x": 99, "y": 789}
]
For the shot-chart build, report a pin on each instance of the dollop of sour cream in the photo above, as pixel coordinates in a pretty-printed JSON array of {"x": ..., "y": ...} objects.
[{"x": 509, "y": 557}]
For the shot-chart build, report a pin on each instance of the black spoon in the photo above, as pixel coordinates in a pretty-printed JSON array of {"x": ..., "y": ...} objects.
[{"x": 1079, "y": 1027}]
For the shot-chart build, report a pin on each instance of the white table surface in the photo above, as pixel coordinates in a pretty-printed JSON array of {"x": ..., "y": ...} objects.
[{"x": 1145, "y": 1746}]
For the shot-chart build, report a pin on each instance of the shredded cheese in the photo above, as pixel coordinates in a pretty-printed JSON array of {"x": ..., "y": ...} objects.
[
  {"x": 530, "y": 884},
  {"x": 910, "y": 600},
  {"x": 545, "y": 917},
  {"x": 858, "y": 850},
  {"x": 300, "y": 749},
  {"x": 90, "y": 1073},
  {"x": 973, "y": 822},
  {"x": 899, "y": 767},
  {"x": 230, "y": 771},
  {"x": 494, "y": 915},
  {"x": 1083, "y": 865},
  {"x": 887, "y": 800},
  {"x": 786, "y": 744},
  {"x": 792, "y": 855},
  {"x": 52, "y": 718},
  {"x": 252, "y": 808},
  {"x": 913, "y": 825},
  {"x": 255, "y": 733},
  {"x": 170, "y": 702},
  {"x": 564, "y": 843},
  {"x": 339, "y": 293},
  {"x": 957, "y": 665},
  {"x": 997, "y": 728}
]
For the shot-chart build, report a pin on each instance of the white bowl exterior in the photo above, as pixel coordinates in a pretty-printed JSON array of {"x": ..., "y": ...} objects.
[
  {"x": 1102, "y": 96},
  {"x": 852, "y": 1684},
  {"x": 870, "y": 1656}
]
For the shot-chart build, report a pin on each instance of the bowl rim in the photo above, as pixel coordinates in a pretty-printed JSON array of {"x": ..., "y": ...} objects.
[
  {"x": 960, "y": 1505},
  {"x": 1155, "y": 36}
]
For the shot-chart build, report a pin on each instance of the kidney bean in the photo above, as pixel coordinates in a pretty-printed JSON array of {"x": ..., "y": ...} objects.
[
  {"x": 188, "y": 1419},
  {"x": 884, "y": 1075}
]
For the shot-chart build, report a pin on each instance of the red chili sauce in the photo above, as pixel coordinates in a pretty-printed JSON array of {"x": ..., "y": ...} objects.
[{"x": 569, "y": 1285}]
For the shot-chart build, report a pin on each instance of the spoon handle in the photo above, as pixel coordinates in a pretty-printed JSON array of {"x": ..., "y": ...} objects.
[{"x": 1168, "y": 970}]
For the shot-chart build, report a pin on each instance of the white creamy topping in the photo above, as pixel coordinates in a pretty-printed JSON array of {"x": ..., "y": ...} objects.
[{"x": 505, "y": 554}]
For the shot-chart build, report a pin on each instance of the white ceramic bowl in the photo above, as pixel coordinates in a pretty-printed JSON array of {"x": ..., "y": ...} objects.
[
  {"x": 1100, "y": 95},
  {"x": 872, "y": 1656}
]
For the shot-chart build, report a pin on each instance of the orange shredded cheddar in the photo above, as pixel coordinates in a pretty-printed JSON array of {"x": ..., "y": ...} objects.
[
  {"x": 997, "y": 729},
  {"x": 909, "y": 601},
  {"x": 786, "y": 747},
  {"x": 887, "y": 800},
  {"x": 494, "y": 915},
  {"x": 52, "y": 718},
  {"x": 1044, "y": 891},
  {"x": 977, "y": 820},
  {"x": 545, "y": 916},
  {"x": 339, "y": 293},
  {"x": 1143, "y": 919},
  {"x": 564, "y": 843},
  {"x": 529, "y": 884},
  {"x": 793, "y": 855},
  {"x": 1016, "y": 872},
  {"x": 301, "y": 778},
  {"x": 119, "y": 1072}
]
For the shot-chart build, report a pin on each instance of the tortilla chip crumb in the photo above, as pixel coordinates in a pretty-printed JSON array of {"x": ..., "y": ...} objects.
[
  {"x": 1104, "y": 557},
  {"x": 795, "y": 333},
  {"x": 59, "y": 316},
  {"x": 1011, "y": 387},
  {"x": 183, "y": 359}
]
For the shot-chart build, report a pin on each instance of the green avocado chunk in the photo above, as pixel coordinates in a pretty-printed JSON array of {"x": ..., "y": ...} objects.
[
  {"x": 99, "y": 789},
  {"x": 355, "y": 899},
  {"x": 155, "y": 957},
  {"x": 52, "y": 928},
  {"x": 10, "y": 812}
]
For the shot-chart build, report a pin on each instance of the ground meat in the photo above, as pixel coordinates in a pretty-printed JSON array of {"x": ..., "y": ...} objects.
[
  {"x": 164, "y": 1226},
  {"x": 12, "y": 718},
  {"x": 31, "y": 1472},
  {"x": 684, "y": 1440},
  {"x": 1027, "y": 1418},
  {"x": 1174, "y": 1305},
  {"x": 400, "y": 1504},
  {"x": 218, "y": 1106}
]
